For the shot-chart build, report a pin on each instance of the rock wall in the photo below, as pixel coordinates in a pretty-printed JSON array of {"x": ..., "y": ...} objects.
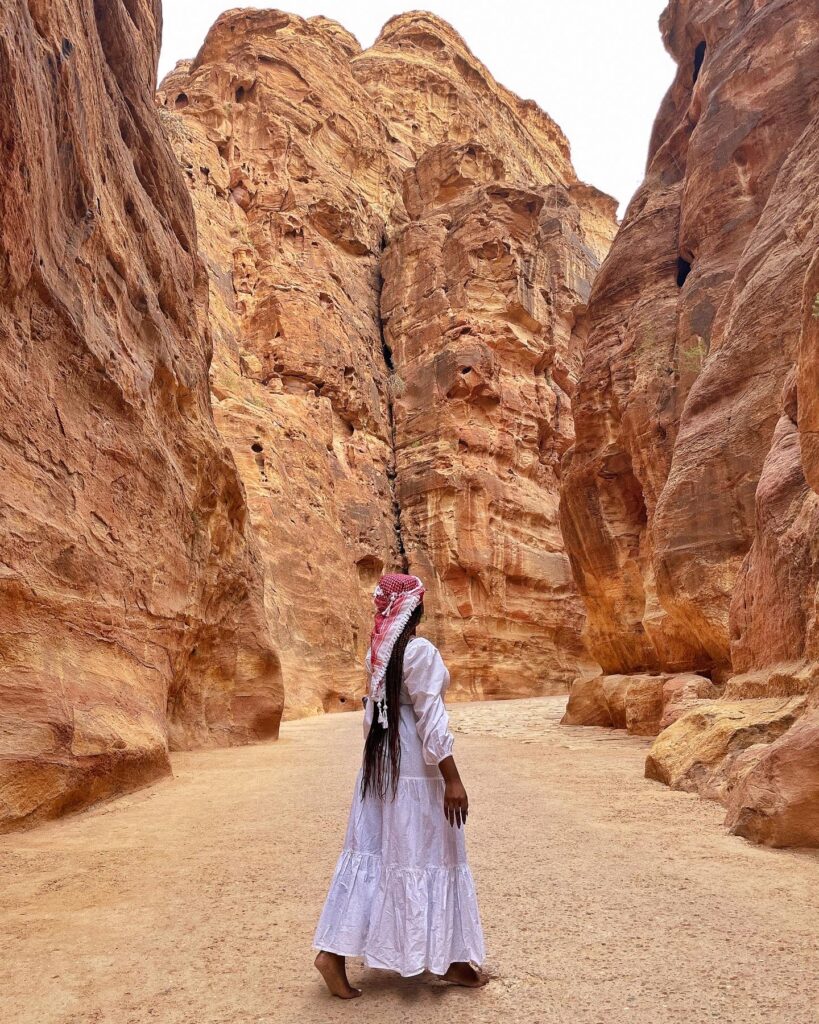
[
  {"x": 131, "y": 605},
  {"x": 398, "y": 249},
  {"x": 481, "y": 291},
  {"x": 288, "y": 169},
  {"x": 479, "y": 297},
  {"x": 688, "y": 503}
]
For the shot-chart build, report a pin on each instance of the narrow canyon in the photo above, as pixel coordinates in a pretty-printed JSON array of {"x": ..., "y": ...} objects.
[
  {"x": 398, "y": 249},
  {"x": 305, "y": 312}
]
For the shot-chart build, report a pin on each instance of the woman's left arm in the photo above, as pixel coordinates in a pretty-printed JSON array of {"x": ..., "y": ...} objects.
[
  {"x": 426, "y": 681},
  {"x": 426, "y": 677}
]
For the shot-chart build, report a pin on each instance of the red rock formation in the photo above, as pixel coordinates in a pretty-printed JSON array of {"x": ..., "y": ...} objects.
[
  {"x": 705, "y": 749},
  {"x": 130, "y": 591},
  {"x": 478, "y": 300},
  {"x": 288, "y": 169},
  {"x": 682, "y": 693},
  {"x": 685, "y": 507},
  {"x": 775, "y": 800},
  {"x": 675, "y": 412},
  {"x": 306, "y": 158},
  {"x": 481, "y": 291}
]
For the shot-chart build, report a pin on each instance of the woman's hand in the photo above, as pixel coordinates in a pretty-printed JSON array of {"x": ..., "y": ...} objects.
[{"x": 456, "y": 802}]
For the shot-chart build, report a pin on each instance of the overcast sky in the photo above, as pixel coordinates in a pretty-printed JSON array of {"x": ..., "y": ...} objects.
[{"x": 598, "y": 67}]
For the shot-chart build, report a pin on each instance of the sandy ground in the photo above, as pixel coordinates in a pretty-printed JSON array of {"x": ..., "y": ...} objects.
[{"x": 605, "y": 898}]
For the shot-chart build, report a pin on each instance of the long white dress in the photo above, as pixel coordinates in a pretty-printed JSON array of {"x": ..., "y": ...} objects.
[{"x": 402, "y": 895}]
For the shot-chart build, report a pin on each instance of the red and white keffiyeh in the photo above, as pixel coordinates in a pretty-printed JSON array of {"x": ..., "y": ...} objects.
[{"x": 396, "y": 597}]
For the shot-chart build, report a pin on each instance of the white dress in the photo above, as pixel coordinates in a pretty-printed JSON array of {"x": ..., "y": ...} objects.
[{"x": 402, "y": 895}]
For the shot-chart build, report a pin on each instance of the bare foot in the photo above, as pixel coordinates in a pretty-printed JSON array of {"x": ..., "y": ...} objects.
[
  {"x": 464, "y": 974},
  {"x": 332, "y": 968}
]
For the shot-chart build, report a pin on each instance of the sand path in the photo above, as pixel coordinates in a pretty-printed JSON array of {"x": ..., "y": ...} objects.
[{"x": 605, "y": 898}]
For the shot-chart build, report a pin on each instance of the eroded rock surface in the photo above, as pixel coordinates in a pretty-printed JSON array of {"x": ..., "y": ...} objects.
[
  {"x": 699, "y": 750},
  {"x": 689, "y": 503},
  {"x": 693, "y": 328},
  {"x": 775, "y": 800},
  {"x": 131, "y": 609},
  {"x": 481, "y": 290},
  {"x": 398, "y": 249},
  {"x": 288, "y": 169}
]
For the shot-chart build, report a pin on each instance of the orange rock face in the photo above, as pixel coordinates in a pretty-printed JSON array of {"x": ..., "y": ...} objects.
[
  {"x": 287, "y": 166},
  {"x": 688, "y": 350},
  {"x": 131, "y": 604},
  {"x": 689, "y": 507},
  {"x": 398, "y": 248},
  {"x": 776, "y": 800}
]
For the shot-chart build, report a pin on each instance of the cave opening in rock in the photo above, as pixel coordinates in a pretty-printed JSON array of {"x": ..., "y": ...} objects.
[
  {"x": 699, "y": 57},
  {"x": 240, "y": 94},
  {"x": 683, "y": 270},
  {"x": 181, "y": 100},
  {"x": 385, "y": 348}
]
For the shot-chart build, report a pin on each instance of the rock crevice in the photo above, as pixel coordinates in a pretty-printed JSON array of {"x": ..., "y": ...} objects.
[{"x": 393, "y": 383}]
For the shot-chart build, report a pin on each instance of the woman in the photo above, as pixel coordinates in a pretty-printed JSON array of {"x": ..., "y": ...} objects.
[{"x": 402, "y": 895}]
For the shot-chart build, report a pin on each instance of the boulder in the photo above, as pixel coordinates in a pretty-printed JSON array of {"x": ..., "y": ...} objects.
[
  {"x": 587, "y": 704},
  {"x": 684, "y": 691},
  {"x": 697, "y": 751},
  {"x": 644, "y": 704},
  {"x": 775, "y": 800},
  {"x": 618, "y": 702}
]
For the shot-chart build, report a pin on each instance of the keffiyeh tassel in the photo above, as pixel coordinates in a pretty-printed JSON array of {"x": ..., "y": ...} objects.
[{"x": 382, "y": 713}]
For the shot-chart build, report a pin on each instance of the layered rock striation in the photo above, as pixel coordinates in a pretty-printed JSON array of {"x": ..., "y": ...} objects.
[
  {"x": 398, "y": 250},
  {"x": 481, "y": 291},
  {"x": 131, "y": 590},
  {"x": 689, "y": 503},
  {"x": 288, "y": 168}
]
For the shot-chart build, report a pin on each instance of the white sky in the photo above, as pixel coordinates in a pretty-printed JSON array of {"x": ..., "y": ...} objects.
[{"x": 598, "y": 67}]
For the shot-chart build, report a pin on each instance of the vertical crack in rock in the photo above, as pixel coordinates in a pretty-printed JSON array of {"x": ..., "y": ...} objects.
[
  {"x": 392, "y": 467},
  {"x": 480, "y": 288}
]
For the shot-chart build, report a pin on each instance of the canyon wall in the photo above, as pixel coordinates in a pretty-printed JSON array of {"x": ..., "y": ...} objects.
[
  {"x": 131, "y": 591},
  {"x": 481, "y": 290},
  {"x": 288, "y": 169},
  {"x": 689, "y": 497},
  {"x": 398, "y": 249}
]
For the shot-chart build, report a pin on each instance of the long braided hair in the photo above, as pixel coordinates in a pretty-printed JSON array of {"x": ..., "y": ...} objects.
[{"x": 382, "y": 751}]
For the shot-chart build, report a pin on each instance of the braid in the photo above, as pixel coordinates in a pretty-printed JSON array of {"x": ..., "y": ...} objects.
[{"x": 382, "y": 751}]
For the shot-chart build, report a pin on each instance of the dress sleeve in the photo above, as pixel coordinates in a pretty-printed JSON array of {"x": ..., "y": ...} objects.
[{"x": 426, "y": 679}]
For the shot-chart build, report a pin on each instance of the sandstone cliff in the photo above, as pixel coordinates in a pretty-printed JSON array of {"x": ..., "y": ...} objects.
[
  {"x": 398, "y": 249},
  {"x": 481, "y": 290},
  {"x": 689, "y": 503},
  {"x": 131, "y": 611},
  {"x": 288, "y": 168}
]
